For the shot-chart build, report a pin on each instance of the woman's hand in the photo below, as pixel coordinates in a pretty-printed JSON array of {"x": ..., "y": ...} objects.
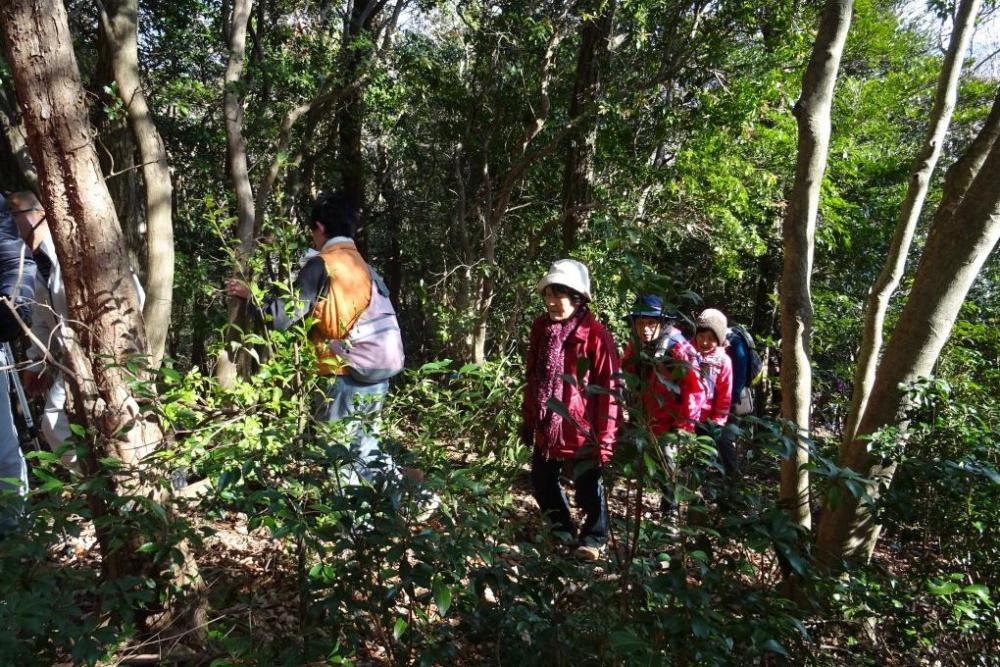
[{"x": 238, "y": 288}]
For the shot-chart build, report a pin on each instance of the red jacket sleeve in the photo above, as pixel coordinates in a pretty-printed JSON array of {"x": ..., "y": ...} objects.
[
  {"x": 723, "y": 391},
  {"x": 628, "y": 359},
  {"x": 605, "y": 369},
  {"x": 692, "y": 394}
]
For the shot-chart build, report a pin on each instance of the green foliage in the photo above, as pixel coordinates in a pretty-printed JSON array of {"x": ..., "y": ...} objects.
[
  {"x": 694, "y": 146},
  {"x": 936, "y": 514},
  {"x": 56, "y": 603}
]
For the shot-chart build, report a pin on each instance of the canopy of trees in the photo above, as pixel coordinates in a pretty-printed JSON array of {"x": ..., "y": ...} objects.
[{"x": 824, "y": 173}]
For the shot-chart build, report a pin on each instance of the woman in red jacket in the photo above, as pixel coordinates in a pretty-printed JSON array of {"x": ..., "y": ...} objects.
[
  {"x": 583, "y": 429},
  {"x": 672, "y": 395}
]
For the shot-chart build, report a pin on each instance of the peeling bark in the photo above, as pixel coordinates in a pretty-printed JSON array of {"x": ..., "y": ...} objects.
[
  {"x": 812, "y": 113},
  {"x": 119, "y": 23},
  {"x": 919, "y": 181},
  {"x": 956, "y": 249}
]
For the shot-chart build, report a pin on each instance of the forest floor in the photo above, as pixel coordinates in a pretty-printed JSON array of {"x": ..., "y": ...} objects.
[{"x": 253, "y": 595}]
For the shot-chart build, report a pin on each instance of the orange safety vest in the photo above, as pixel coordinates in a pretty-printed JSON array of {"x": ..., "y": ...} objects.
[{"x": 348, "y": 295}]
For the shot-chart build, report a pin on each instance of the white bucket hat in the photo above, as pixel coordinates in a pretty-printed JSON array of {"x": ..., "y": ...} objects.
[{"x": 568, "y": 272}]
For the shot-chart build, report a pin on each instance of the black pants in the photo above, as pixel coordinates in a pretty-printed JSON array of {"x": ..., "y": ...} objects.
[
  {"x": 551, "y": 498},
  {"x": 725, "y": 443}
]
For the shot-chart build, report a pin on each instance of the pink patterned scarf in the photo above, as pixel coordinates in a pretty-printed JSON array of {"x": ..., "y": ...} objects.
[{"x": 548, "y": 373}]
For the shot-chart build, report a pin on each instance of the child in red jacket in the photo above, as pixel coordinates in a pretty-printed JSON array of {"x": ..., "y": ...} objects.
[
  {"x": 672, "y": 395},
  {"x": 669, "y": 380},
  {"x": 717, "y": 378},
  {"x": 584, "y": 430}
]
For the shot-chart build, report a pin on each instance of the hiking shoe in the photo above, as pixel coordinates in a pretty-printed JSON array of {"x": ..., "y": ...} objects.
[{"x": 589, "y": 551}]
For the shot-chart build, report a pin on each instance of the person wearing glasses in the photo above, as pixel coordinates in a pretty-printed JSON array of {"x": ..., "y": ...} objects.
[{"x": 48, "y": 325}]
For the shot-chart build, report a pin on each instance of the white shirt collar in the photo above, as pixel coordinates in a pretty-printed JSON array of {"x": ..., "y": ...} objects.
[
  {"x": 335, "y": 240},
  {"x": 48, "y": 247}
]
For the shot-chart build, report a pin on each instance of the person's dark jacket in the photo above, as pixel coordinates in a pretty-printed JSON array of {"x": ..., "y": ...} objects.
[{"x": 17, "y": 275}]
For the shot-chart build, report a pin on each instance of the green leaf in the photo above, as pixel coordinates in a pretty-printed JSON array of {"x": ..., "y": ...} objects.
[
  {"x": 626, "y": 641},
  {"x": 833, "y": 497},
  {"x": 772, "y": 646},
  {"x": 442, "y": 597},
  {"x": 399, "y": 628},
  {"x": 946, "y": 588},
  {"x": 980, "y": 591}
]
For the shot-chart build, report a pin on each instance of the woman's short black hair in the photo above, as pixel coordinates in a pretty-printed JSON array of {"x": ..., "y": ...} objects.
[
  {"x": 336, "y": 213},
  {"x": 575, "y": 297}
]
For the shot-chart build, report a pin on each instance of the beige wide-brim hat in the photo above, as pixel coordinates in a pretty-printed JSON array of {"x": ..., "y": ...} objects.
[{"x": 568, "y": 272}]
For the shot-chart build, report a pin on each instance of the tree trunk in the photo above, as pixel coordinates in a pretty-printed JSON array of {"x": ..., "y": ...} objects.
[
  {"x": 961, "y": 174},
  {"x": 236, "y": 151},
  {"x": 394, "y": 214},
  {"x": 120, "y": 25},
  {"x": 812, "y": 113},
  {"x": 764, "y": 315},
  {"x": 956, "y": 250},
  {"x": 578, "y": 177},
  {"x": 108, "y": 329},
  {"x": 920, "y": 176},
  {"x": 356, "y": 48},
  {"x": 116, "y": 150}
]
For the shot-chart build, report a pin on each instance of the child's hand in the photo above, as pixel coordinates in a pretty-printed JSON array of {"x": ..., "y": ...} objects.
[{"x": 237, "y": 288}]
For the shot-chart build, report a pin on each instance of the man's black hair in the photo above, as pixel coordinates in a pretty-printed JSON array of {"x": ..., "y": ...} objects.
[{"x": 335, "y": 213}]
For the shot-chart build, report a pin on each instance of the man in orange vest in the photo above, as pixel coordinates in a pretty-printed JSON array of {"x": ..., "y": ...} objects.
[{"x": 356, "y": 334}]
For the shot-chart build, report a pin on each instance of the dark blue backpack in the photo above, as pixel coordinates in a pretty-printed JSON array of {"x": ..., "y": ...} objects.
[
  {"x": 17, "y": 277},
  {"x": 755, "y": 365}
]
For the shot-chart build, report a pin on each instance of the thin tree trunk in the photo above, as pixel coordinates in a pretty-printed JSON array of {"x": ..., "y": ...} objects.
[
  {"x": 764, "y": 315},
  {"x": 960, "y": 175},
  {"x": 120, "y": 24},
  {"x": 496, "y": 206},
  {"x": 394, "y": 261},
  {"x": 107, "y": 326},
  {"x": 331, "y": 92},
  {"x": 956, "y": 250},
  {"x": 578, "y": 176},
  {"x": 116, "y": 150},
  {"x": 355, "y": 52},
  {"x": 236, "y": 151},
  {"x": 812, "y": 112},
  {"x": 920, "y": 176}
]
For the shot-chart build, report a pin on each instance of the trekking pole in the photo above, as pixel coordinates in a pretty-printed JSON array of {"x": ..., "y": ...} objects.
[{"x": 22, "y": 399}]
